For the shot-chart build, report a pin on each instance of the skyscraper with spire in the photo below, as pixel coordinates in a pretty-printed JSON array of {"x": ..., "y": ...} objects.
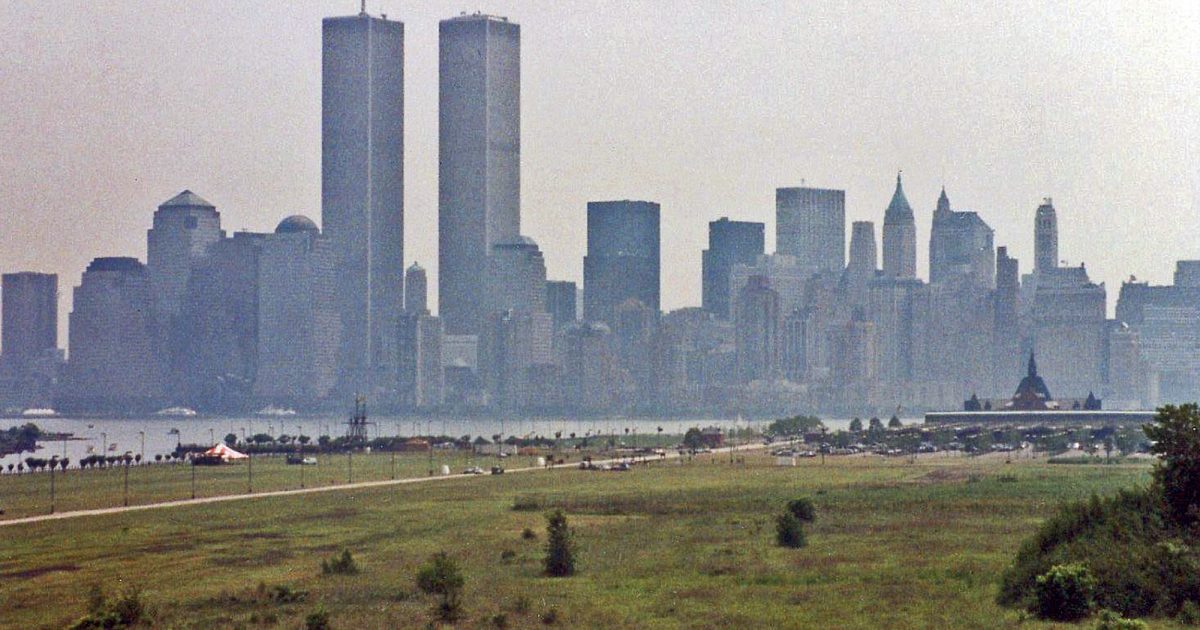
[
  {"x": 899, "y": 237},
  {"x": 362, "y": 190},
  {"x": 960, "y": 246}
]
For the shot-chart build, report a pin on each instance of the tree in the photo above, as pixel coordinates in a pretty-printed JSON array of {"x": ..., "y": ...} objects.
[
  {"x": 560, "y": 548},
  {"x": 788, "y": 531},
  {"x": 230, "y": 439},
  {"x": 1064, "y": 593},
  {"x": 875, "y": 425},
  {"x": 441, "y": 576},
  {"x": 693, "y": 439},
  {"x": 894, "y": 423},
  {"x": 803, "y": 509},
  {"x": 1175, "y": 438},
  {"x": 794, "y": 425},
  {"x": 856, "y": 425}
]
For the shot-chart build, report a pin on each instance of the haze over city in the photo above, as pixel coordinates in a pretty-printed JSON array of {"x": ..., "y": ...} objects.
[{"x": 112, "y": 108}]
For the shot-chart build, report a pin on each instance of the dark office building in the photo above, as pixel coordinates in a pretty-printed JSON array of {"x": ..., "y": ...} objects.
[
  {"x": 622, "y": 260},
  {"x": 729, "y": 243},
  {"x": 30, "y": 316},
  {"x": 560, "y": 302}
]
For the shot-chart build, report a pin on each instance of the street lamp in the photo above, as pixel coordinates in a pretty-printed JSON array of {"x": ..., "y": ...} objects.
[
  {"x": 142, "y": 434},
  {"x": 300, "y": 451},
  {"x": 53, "y": 465},
  {"x": 429, "y": 430}
]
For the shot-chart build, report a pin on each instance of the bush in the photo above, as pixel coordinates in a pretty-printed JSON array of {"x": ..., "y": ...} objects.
[
  {"x": 550, "y": 617},
  {"x": 127, "y": 610},
  {"x": 526, "y": 503},
  {"x": 508, "y": 555},
  {"x": 441, "y": 576},
  {"x": 803, "y": 509},
  {"x": 788, "y": 531},
  {"x": 341, "y": 565},
  {"x": 560, "y": 548},
  {"x": 1110, "y": 620},
  {"x": 317, "y": 619},
  {"x": 528, "y": 534},
  {"x": 500, "y": 620},
  {"x": 1064, "y": 593}
]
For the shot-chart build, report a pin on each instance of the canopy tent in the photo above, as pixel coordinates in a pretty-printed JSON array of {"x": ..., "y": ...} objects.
[{"x": 224, "y": 452}]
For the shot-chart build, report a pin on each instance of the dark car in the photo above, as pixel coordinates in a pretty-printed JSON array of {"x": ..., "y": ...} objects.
[{"x": 497, "y": 470}]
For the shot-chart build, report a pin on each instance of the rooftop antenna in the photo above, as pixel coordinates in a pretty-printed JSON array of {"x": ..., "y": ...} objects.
[{"x": 363, "y": 10}]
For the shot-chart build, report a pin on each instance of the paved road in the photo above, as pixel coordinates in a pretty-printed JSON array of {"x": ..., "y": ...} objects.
[{"x": 285, "y": 493}]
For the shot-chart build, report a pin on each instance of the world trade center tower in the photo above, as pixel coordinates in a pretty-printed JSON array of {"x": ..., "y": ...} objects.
[
  {"x": 362, "y": 191},
  {"x": 479, "y": 143}
]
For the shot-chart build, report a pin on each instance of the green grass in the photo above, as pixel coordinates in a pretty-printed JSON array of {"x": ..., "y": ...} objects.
[
  {"x": 895, "y": 545},
  {"x": 29, "y": 494}
]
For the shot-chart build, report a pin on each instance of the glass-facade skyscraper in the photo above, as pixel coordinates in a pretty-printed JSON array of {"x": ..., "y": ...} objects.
[
  {"x": 622, "y": 261},
  {"x": 729, "y": 243},
  {"x": 479, "y": 140},
  {"x": 362, "y": 190}
]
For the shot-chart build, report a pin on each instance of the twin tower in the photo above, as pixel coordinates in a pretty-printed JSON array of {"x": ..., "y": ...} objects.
[{"x": 362, "y": 174}]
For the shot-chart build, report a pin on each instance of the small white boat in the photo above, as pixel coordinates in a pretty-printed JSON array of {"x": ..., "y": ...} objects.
[
  {"x": 179, "y": 412},
  {"x": 272, "y": 410},
  {"x": 39, "y": 413}
]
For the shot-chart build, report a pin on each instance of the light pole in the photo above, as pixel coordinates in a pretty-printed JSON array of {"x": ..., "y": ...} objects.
[
  {"x": 126, "y": 460},
  {"x": 193, "y": 479},
  {"x": 53, "y": 465},
  {"x": 104, "y": 445},
  {"x": 211, "y": 437},
  {"x": 350, "y": 463},
  {"x": 300, "y": 450},
  {"x": 429, "y": 430},
  {"x": 141, "y": 434}
]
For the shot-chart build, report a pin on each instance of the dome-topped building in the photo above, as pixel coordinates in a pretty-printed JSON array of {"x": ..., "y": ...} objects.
[
  {"x": 296, "y": 223},
  {"x": 1032, "y": 394}
]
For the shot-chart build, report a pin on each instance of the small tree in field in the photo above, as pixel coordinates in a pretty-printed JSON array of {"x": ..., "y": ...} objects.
[
  {"x": 442, "y": 577},
  {"x": 788, "y": 531},
  {"x": 1175, "y": 437},
  {"x": 560, "y": 549},
  {"x": 803, "y": 509},
  {"x": 856, "y": 425},
  {"x": 1064, "y": 593}
]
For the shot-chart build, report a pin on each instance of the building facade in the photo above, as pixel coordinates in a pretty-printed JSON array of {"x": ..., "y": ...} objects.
[
  {"x": 729, "y": 243},
  {"x": 622, "y": 260},
  {"x": 810, "y": 224},
  {"x": 479, "y": 155},
  {"x": 362, "y": 192},
  {"x": 899, "y": 237}
]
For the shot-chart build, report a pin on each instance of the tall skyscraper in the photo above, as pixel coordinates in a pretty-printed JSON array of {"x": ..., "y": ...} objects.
[
  {"x": 479, "y": 155},
  {"x": 416, "y": 290},
  {"x": 220, "y": 325},
  {"x": 184, "y": 228},
  {"x": 622, "y": 258},
  {"x": 810, "y": 224},
  {"x": 1007, "y": 324},
  {"x": 30, "y": 317},
  {"x": 298, "y": 322},
  {"x": 362, "y": 190},
  {"x": 729, "y": 243},
  {"x": 1045, "y": 236},
  {"x": 899, "y": 237},
  {"x": 864, "y": 261},
  {"x": 960, "y": 246},
  {"x": 112, "y": 362},
  {"x": 756, "y": 322}
]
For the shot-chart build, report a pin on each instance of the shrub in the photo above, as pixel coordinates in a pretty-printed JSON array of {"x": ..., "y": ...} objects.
[
  {"x": 803, "y": 509},
  {"x": 550, "y": 617},
  {"x": 340, "y": 565},
  {"x": 1064, "y": 593},
  {"x": 441, "y": 576},
  {"x": 500, "y": 620},
  {"x": 126, "y": 610},
  {"x": 528, "y": 534},
  {"x": 560, "y": 548},
  {"x": 507, "y": 555},
  {"x": 1110, "y": 620},
  {"x": 526, "y": 503},
  {"x": 522, "y": 605},
  {"x": 317, "y": 619},
  {"x": 1189, "y": 614},
  {"x": 788, "y": 531}
]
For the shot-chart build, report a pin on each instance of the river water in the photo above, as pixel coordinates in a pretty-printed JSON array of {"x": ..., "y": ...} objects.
[{"x": 152, "y": 435}]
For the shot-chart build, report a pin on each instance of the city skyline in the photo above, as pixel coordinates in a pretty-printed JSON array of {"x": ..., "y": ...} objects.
[{"x": 1096, "y": 213}]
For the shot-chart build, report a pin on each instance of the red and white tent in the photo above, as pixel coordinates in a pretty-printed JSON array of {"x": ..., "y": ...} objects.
[{"x": 224, "y": 452}]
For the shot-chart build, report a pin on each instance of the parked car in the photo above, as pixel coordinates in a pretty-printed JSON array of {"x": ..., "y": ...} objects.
[
  {"x": 473, "y": 470},
  {"x": 497, "y": 470},
  {"x": 621, "y": 467}
]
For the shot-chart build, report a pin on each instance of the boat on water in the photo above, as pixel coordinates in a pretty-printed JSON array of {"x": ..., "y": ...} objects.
[
  {"x": 176, "y": 412},
  {"x": 272, "y": 410},
  {"x": 39, "y": 413}
]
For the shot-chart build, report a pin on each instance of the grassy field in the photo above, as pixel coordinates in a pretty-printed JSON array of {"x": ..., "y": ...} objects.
[
  {"x": 29, "y": 494},
  {"x": 675, "y": 544}
]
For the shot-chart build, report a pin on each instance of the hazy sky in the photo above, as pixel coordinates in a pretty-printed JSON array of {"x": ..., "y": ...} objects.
[{"x": 109, "y": 108}]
